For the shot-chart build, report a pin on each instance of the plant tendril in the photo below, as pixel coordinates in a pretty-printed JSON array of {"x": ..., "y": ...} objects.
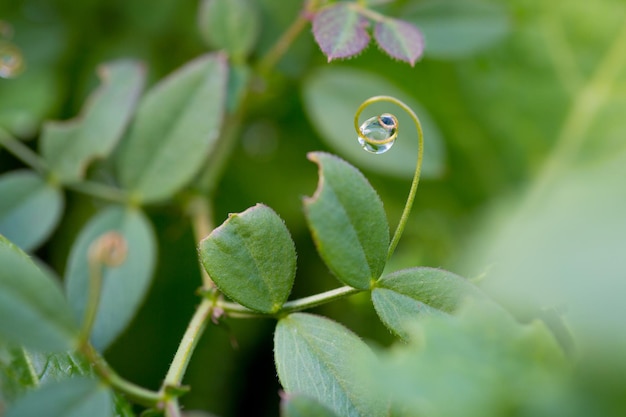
[{"x": 420, "y": 154}]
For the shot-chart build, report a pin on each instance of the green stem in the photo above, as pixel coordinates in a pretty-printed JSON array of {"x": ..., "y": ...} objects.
[
  {"x": 188, "y": 343},
  {"x": 201, "y": 214},
  {"x": 236, "y": 310},
  {"x": 281, "y": 46},
  {"x": 99, "y": 190},
  {"x": 418, "y": 168},
  {"x": 93, "y": 299},
  {"x": 134, "y": 392},
  {"x": 22, "y": 152}
]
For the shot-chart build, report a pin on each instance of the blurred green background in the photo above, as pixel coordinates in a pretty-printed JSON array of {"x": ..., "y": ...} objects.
[{"x": 501, "y": 85}]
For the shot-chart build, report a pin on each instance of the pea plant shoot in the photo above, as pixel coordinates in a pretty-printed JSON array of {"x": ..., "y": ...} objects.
[{"x": 458, "y": 349}]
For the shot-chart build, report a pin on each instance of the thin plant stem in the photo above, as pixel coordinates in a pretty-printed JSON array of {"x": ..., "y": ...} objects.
[
  {"x": 188, "y": 343},
  {"x": 93, "y": 299},
  {"x": 134, "y": 392},
  {"x": 99, "y": 190},
  {"x": 418, "y": 168},
  {"x": 201, "y": 214},
  {"x": 22, "y": 152},
  {"x": 236, "y": 310}
]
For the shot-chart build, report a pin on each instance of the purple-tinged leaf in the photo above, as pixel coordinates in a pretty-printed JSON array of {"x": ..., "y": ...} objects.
[
  {"x": 340, "y": 31},
  {"x": 400, "y": 39}
]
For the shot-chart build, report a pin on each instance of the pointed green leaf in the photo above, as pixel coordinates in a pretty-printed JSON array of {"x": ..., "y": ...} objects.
[
  {"x": 302, "y": 406},
  {"x": 348, "y": 222},
  {"x": 322, "y": 359},
  {"x": 230, "y": 25},
  {"x": 400, "y": 39},
  {"x": 340, "y": 31},
  {"x": 403, "y": 296},
  {"x": 174, "y": 130},
  {"x": 123, "y": 287},
  {"x": 70, "y": 146},
  {"x": 33, "y": 310},
  {"x": 30, "y": 208},
  {"x": 252, "y": 259},
  {"x": 76, "y": 397},
  {"x": 331, "y": 97}
]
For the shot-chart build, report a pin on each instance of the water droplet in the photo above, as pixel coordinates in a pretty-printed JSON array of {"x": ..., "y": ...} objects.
[
  {"x": 381, "y": 130},
  {"x": 11, "y": 61}
]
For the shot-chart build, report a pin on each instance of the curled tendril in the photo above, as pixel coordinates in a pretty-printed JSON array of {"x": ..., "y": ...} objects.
[{"x": 420, "y": 154}]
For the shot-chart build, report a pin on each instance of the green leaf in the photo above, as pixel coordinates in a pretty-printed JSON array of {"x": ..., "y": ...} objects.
[
  {"x": 123, "y": 287},
  {"x": 231, "y": 25},
  {"x": 331, "y": 97},
  {"x": 322, "y": 359},
  {"x": 22, "y": 370},
  {"x": 69, "y": 147},
  {"x": 30, "y": 208},
  {"x": 174, "y": 130},
  {"x": 457, "y": 29},
  {"x": 340, "y": 31},
  {"x": 251, "y": 258},
  {"x": 400, "y": 39},
  {"x": 404, "y": 295},
  {"x": 348, "y": 222},
  {"x": 33, "y": 310},
  {"x": 486, "y": 361},
  {"x": 302, "y": 406},
  {"x": 76, "y": 397}
]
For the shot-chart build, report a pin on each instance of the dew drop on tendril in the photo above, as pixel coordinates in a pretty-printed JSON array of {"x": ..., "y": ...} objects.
[
  {"x": 379, "y": 129},
  {"x": 11, "y": 61}
]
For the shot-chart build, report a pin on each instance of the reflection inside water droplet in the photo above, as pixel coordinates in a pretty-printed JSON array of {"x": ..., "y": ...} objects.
[
  {"x": 11, "y": 61},
  {"x": 379, "y": 129}
]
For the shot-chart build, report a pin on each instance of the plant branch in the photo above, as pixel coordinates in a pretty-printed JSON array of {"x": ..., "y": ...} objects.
[
  {"x": 99, "y": 190},
  {"x": 188, "y": 343},
  {"x": 201, "y": 213},
  {"x": 22, "y": 152},
  {"x": 236, "y": 310}
]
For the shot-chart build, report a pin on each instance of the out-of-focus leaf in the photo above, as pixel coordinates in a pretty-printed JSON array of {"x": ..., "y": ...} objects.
[
  {"x": 33, "y": 310},
  {"x": 252, "y": 259},
  {"x": 347, "y": 222},
  {"x": 22, "y": 370},
  {"x": 124, "y": 286},
  {"x": 331, "y": 97},
  {"x": 231, "y": 25},
  {"x": 402, "y": 296},
  {"x": 340, "y": 31},
  {"x": 76, "y": 397},
  {"x": 302, "y": 406},
  {"x": 175, "y": 128},
  {"x": 470, "y": 356},
  {"x": 457, "y": 29},
  {"x": 322, "y": 359},
  {"x": 400, "y": 39},
  {"x": 69, "y": 147},
  {"x": 30, "y": 208}
]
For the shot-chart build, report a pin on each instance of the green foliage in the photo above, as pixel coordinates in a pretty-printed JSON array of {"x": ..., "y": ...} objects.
[
  {"x": 69, "y": 147},
  {"x": 231, "y": 25},
  {"x": 320, "y": 358},
  {"x": 175, "y": 127},
  {"x": 252, "y": 259},
  {"x": 347, "y": 222},
  {"x": 124, "y": 286},
  {"x": 75, "y": 397},
  {"x": 521, "y": 105},
  {"x": 33, "y": 210},
  {"x": 39, "y": 316}
]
